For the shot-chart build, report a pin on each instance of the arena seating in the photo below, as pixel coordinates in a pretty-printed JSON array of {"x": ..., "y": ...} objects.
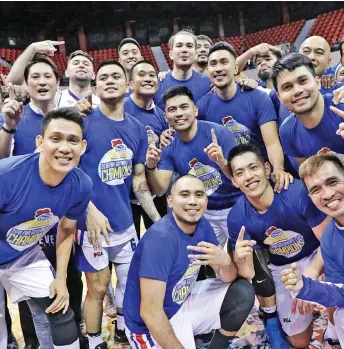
[
  {"x": 3, "y": 70},
  {"x": 235, "y": 41},
  {"x": 9, "y": 55},
  {"x": 329, "y": 25}
]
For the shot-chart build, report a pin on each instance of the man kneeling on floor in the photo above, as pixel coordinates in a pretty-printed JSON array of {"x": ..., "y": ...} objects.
[{"x": 164, "y": 306}]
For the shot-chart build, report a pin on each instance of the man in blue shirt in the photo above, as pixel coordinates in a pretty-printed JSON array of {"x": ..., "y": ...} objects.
[
  {"x": 115, "y": 163},
  {"x": 312, "y": 124},
  {"x": 129, "y": 53},
  {"x": 182, "y": 52},
  {"x": 64, "y": 193},
  {"x": 143, "y": 82},
  {"x": 164, "y": 305},
  {"x": 195, "y": 150},
  {"x": 323, "y": 175},
  {"x": 249, "y": 115},
  {"x": 286, "y": 223}
]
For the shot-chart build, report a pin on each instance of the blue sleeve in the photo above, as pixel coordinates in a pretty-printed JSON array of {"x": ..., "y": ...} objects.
[
  {"x": 140, "y": 156},
  {"x": 156, "y": 259},
  {"x": 164, "y": 124},
  {"x": 275, "y": 100},
  {"x": 166, "y": 162},
  {"x": 225, "y": 139},
  {"x": 307, "y": 208},
  {"x": 333, "y": 272},
  {"x": 266, "y": 110},
  {"x": 202, "y": 110},
  {"x": 234, "y": 224},
  {"x": 78, "y": 210},
  {"x": 326, "y": 294},
  {"x": 287, "y": 139}
]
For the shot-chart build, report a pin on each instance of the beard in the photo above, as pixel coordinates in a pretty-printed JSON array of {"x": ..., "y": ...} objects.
[
  {"x": 185, "y": 221},
  {"x": 202, "y": 64},
  {"x": 266, "y": 75}
]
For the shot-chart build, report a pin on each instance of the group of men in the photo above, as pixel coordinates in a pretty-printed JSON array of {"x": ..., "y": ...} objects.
[{"x": 208, "y": 159}]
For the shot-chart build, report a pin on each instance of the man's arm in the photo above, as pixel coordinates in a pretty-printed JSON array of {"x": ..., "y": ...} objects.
[
  {"x": 16, "y": 74},
  {"x": 152, "y": 313},
  {"x": 143, "y": 194},
  {"x": 275, "y": 155},
  {"x": 64, "y": 242}
]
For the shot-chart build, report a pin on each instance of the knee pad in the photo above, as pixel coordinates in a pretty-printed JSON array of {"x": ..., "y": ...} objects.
[
  {"x": 122, "y": 276},
  {"x": 237, "y": 305},
  {"x": 63, "y": 327},
  {"x": 263, "y": 282}
]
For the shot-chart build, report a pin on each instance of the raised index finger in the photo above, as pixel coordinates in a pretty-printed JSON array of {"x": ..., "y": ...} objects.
[
  {"x": 337, "y": 111},
  {"x": 241, "y": 234},
  {"x": 11, "y": 93},
  {"x": 213, "y": 136},
  {"x": 57, "y": 43}
]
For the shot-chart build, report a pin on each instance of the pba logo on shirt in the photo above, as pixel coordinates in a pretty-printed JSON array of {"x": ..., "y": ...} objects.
[
  {"x": 240, "y": 132},
  {"x": 116, "y": 164},
  {"x": 284, "y": 243},
  {"x": 29, "y": 233},
  {"x": 183, "y": 287},
  {"x": 210, "y": 176},
  {"x": 152, "y": 137},
  {"x": 328, "y": 151}
]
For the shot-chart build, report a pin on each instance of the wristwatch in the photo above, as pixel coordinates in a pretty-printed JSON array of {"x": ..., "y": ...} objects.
[
  {"x": 150, "y": 169},
  {"x": 12, "y": 130}
]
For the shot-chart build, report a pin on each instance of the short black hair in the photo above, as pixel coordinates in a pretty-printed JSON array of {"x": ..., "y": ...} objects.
[
  {"x": 66, "y": 113},
  {"x": 177, "y": 91},
  {"x": 128, "y": 41},
  {"x": 111, "y": 62},
  {"x": 341, "y": 48},
  {"x": 41, "y": 59},
  {"x": 182, "y": 177},
  {"x": 223, "y": 45},
  {"x": 80, "y": 53},
  {"x": 290, "y": 62},
  {"x": 275, "y": 51},
  {"x": 136, "y": 64},
  {"x": 204, "y": 37},
  {"x": 242, "y": 149}
]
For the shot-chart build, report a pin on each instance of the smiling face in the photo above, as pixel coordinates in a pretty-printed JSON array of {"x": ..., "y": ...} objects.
[
  {"x": 62, "y": 145},
  {"x": 340, "y": 74},
  {"x": 250, "y": 175},
  {"x": 221, "y": 68},
  {"x": 202, "y": 51},
  {"x": 129, "y": 55},
  {"x": 42, "y": 83},
  {"x": 326, "y": 189},
  {"x": 318, "y": 51},
  {"x": 144, "y": 80},
  {"x": 183, "y": 51},
  {"x": 111, "y": 82},
  {"x": 80, "y": 69},
  {"x": 188, "y": 200},
  {"x": 298, "y": 90}
]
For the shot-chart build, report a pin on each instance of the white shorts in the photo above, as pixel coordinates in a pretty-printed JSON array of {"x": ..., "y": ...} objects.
[
  {"x": 218, "y": 220},
  {"x": 339, "y": 324},
  {"x": 27, "y": 277},
  {"x": 292, "y": 324},
  {"x": 200, "y": 313},
  {"x": 91, "y": 260}
]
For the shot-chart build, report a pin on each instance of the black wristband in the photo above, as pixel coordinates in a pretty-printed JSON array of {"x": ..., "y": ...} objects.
[
  {"x": 11, "y": 131},
  {"x": 150, "y": 169}
]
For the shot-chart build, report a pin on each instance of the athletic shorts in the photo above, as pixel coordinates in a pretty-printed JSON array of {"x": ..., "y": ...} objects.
[
  {"x": 88, "y": 259},
  {"x": 27, "y": 277},
  {"x": 218, "y": 220},
  {"x": 199, "y": 314},
  {"x": 292, "y": 324}
]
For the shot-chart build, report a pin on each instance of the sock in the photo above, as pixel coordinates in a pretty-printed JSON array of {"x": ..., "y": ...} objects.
[
  {"x": 266, "y": 313},
  {"x": 120, "y": 322},
  {"x": 330, "y": 332},
  {"x": 220, "y": 341},
  {"x": 94, "y": 339},
  {"x": 269, "y": 310}
]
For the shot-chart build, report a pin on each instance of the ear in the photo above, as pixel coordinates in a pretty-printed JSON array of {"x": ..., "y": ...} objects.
[
  {"x": 84, "y": 147},
  {"x": 66, "y": 74},
  {"x": 170, "y": 55},
  {"x": 236, "y": 69},
  {"x": 196, "y": 110},
  {"x": 169, "y": 201},
  {"x": 329, "y": 62},
  {"x": 318, "y": 81},
  {"x": 267, "y": 169},
  {"x": 39, "y": 143},
  {"x": 93, "y": 76},
  {"x": 131, "y": 85},
  {"x": 58, "y": 83},
  {"x": 95, "y": 90}
]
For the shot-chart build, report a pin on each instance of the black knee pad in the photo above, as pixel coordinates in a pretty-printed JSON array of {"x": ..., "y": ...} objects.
[
  {"x": 236, "y": 305},
  {"x": 263, "y": 282},
  {"x": 64, "y": 330}
]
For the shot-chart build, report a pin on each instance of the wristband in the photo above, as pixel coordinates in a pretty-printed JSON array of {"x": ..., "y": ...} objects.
[
  {"x": 11, "y": 131},
  {"x": 150, "y": 169}
]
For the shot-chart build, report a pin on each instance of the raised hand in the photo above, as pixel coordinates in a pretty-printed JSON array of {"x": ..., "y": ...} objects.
[
  {"x": 340, "y": 131},
  {"x": 84, "y": 106},
  {"x": 214, "y": 150},
  {"x": 243, "y": 248},
  {"x": 46, "y": 46},
  {"x": 153, "y": 157},
  {"x": 12, "y": 110}
]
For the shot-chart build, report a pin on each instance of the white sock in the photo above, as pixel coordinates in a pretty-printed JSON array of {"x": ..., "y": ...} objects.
[
  {"x": 75, "y": 345},
  {"x": 269, "y": 310},
  {"x": 93, "y": 341},
  {"x": 120, "y": 322},
  {"x": 330, "y": 332}
]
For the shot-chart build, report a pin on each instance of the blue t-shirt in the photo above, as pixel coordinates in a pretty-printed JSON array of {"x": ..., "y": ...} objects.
[
  {"x": 153, "y": 119},
  {"x": 324, "y": 90},
  {"x": 29, "y": 208},
  {"x": 242, "y": 115},
  {"x": 27, "y": 131},
  {"x": 199, "y": 84},
  {"x": 301, "y": 142},
  {"x": 162, "y": 255},
  {"x": 332, "y": 242},
  {"x": 190, "y": 158},
  {"x": 113, "y": 149},
  {"x": 285, "y": 228},
  {"x": 281, "y": 111}
]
